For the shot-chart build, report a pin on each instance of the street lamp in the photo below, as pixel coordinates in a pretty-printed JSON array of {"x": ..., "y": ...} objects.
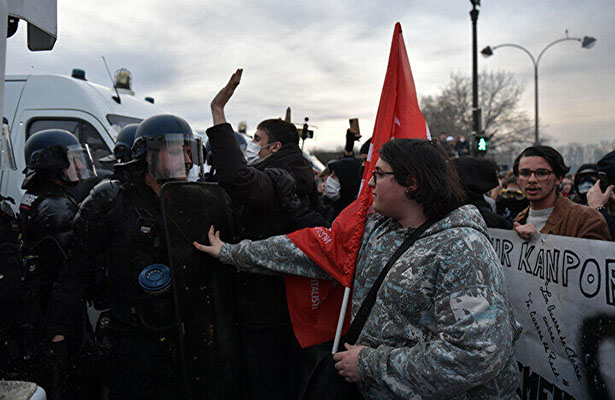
[
  {"x": 475, "y": 114},
  {"x": 587, "y": 42}
]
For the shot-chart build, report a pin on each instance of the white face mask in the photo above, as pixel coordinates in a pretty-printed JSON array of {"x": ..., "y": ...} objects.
[
  {"x": 332, "y": 189},
  {"x": 252, "y": 151}
]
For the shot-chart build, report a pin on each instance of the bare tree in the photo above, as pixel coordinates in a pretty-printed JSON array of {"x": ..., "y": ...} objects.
[
  {"x": 499, "y": 93},
  {"x": 576, "y": 154}
]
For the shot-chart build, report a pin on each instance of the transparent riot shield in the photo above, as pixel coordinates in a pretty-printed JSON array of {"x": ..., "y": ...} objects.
[{"x": 202, "y": 287}]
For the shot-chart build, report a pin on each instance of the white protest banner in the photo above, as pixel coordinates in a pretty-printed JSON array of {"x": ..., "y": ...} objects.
[{"x": 562, "y": 291}]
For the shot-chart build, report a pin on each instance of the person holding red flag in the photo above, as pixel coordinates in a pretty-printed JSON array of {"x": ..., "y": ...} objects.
[
  {"x": 441, "y": 325},
  {"x": 335, "y": 250}
]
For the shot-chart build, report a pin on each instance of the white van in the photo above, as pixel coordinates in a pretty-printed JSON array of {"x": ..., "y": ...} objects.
[{"x": 36, "y": 102}]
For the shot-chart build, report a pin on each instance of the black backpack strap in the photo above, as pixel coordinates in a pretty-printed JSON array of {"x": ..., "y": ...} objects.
[{"x": 359, "y": 320}]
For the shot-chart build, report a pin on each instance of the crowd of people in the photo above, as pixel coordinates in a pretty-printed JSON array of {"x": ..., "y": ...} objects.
[
  {"x": 538, "y": 195},
  {"x": 188, "y": 311}
]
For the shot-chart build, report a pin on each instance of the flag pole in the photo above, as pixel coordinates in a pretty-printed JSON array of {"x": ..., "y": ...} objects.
[{"x": 340, "y": 321}]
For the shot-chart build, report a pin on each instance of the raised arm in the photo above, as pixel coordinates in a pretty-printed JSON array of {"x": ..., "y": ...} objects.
[{"x": 223, "y": 96}]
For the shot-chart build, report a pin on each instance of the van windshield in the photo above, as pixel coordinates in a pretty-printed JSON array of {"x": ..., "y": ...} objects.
[{"x": 120, "y": 121}]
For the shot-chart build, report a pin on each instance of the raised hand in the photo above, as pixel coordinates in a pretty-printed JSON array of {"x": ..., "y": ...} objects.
[{"x": 223, "y": 96}]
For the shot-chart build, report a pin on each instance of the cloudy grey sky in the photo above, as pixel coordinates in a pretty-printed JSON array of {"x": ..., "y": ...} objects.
[{"x": 327, "y": 59}]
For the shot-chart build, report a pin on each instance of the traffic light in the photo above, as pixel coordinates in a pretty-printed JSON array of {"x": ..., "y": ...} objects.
[{"x": 482, "y": 142}]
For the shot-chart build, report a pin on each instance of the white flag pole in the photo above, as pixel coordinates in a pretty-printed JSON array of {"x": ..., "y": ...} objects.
[{"x": 340, "y": 321}]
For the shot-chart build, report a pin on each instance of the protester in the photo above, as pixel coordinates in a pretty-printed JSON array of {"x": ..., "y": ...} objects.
[
  {"x": 495, "y": 192},
  {"x": 477, "y": 177},
  {"x": 539, "y": 170},
  {"x": 584, "y": 179},
  {"x": 450, "y": 144},
  {"x": 363, "y": 152},
  {"x": 604, "y": 201},
  {"x": 567, "y": 186},
  {"x": 441, "y": 325},
  {"x": 341, "y": 187},
  {"x": 511, "y": 200},
  {"x": 462, "y": 147},
  {"x": 273, "y": 189}
]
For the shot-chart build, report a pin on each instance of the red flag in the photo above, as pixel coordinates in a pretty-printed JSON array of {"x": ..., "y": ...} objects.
[{"x": 314, "y": 305}]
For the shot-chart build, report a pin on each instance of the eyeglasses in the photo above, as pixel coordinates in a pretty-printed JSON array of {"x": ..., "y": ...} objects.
[
  {"x": 379, "y": 174},
  {"x": 512, "y": 194},
  {"x": 541, "y": 174}
]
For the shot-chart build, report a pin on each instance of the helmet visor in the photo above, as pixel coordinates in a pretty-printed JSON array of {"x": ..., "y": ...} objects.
[
  {"x": 171, "y": 156},
  {"x": 7, "y": 157},
  {"x": 80, "y": 164}
]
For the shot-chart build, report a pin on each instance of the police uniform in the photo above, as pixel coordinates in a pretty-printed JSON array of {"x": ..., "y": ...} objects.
[
  {"x": 120, "y": 224},
  {"x": 45, "y": 214}
]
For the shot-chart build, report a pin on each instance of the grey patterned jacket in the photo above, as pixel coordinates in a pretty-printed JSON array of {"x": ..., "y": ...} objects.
[{"x": 441, "y": 327}]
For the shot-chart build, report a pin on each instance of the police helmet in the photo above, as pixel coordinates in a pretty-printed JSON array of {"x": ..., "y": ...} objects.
[
  {"x": 123, "y": 144},
  {"x": 56, "y": 153},
  {"x": 167, "y": 144}
]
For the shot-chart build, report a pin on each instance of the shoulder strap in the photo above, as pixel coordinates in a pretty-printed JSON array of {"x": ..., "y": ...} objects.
[{"x": 359, "y": 320}]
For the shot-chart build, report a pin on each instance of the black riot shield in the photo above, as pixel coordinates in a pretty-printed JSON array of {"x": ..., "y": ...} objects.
[{"x": 202, "y": 288}]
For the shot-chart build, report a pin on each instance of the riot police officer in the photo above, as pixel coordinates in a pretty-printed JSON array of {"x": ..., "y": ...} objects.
[
  {"x": 123, "y": 145},
  {"x": 55, "y": 161},
  {"x": 121, "y": 223}
]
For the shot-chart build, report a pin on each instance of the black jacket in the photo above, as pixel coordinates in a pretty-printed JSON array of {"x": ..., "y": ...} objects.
[
  {"x": 274, "y": 197},
  {"x": 45, "y": 214},
  {"x": 46, "y": 210}
]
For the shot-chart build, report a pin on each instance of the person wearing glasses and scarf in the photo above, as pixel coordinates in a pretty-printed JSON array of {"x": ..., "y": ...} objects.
[{"x": 539, "y": 171}]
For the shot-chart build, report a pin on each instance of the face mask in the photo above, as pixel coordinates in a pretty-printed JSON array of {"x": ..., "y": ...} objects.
[
  {"x": 511, "y": 206},
  {"x": 584, "y": 186},
  {"x": 332, "y": 189},
  {"x": 252, "y": 152},
  {"x": 462, "y": 139}
]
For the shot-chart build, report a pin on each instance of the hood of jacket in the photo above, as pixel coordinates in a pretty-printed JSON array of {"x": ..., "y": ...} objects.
[
  {"x": 467, "y": 217},
  {"x": 348, "y": 171}
]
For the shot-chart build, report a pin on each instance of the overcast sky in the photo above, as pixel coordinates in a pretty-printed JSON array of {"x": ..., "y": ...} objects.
[{"x": 327, "y": 59}]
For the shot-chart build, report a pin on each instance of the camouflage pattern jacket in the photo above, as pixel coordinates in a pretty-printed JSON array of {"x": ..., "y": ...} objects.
[{"x": 441, "y": 327}]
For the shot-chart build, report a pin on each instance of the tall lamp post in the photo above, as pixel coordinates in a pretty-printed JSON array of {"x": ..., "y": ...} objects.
[
  {"x": 587, "y": 42},
  {"x": 475, "y": 112}
]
